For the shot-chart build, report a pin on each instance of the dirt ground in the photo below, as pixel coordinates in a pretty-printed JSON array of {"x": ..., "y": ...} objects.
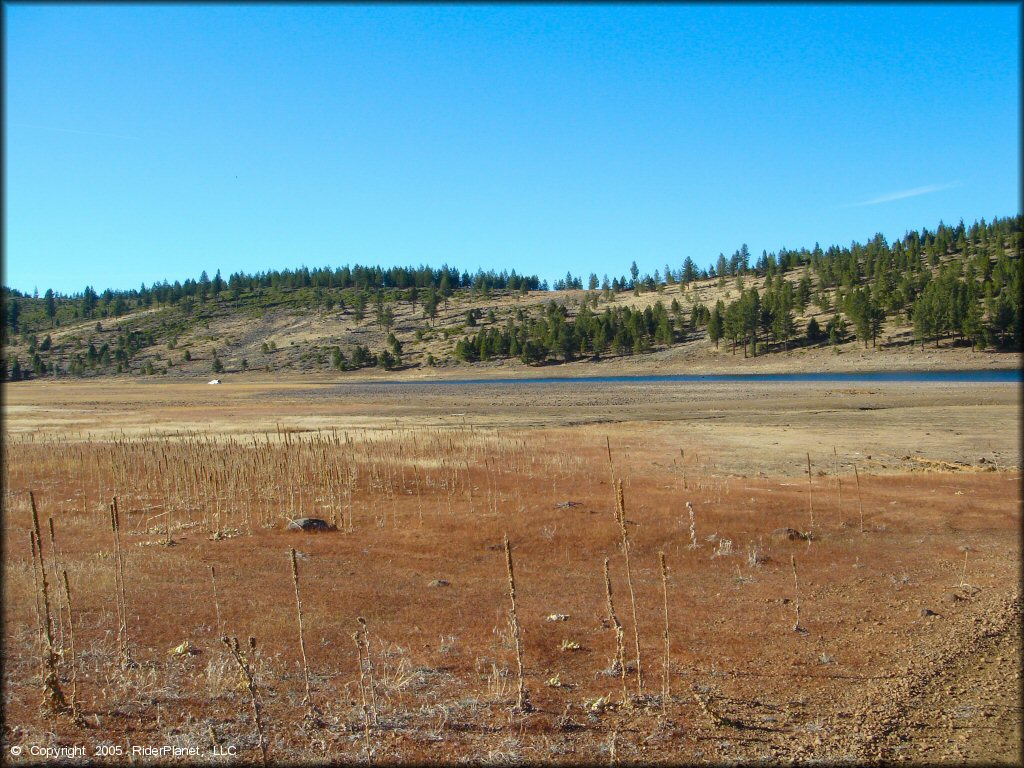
[
  {"x": 751, "y": 428},
  {"x": 869, "y": 612}
]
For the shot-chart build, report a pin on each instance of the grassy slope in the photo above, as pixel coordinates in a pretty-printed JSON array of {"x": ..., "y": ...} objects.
[{"x": 304, "y": 338}]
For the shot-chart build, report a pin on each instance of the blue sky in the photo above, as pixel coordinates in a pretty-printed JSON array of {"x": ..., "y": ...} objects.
[{"x": 154, "y": 141}]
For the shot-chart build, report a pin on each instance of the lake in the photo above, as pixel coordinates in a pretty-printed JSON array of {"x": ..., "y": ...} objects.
[{"x": 1010, "y": 376}]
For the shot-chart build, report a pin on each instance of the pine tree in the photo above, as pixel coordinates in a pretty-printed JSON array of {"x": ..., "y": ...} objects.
[
  {"x": 715, "y": 323},
  {"x": 689, "y": 270},
  {"x": 813, "y": 331},
  {"x": 803, "y": 293},
  {"x": 50, "y": 305}
]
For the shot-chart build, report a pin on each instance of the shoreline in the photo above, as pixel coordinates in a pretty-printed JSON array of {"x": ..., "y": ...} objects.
[{"x": 663, "y": 363}]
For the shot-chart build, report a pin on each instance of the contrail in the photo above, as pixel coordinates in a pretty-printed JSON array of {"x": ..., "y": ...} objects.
[{"x": 903, "y": 194}]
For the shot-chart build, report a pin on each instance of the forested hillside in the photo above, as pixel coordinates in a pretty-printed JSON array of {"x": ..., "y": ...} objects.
[{"x": 954, "y": 286}]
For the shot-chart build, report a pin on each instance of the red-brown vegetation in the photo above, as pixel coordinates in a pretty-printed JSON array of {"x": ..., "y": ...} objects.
[{"x": 419, "y": 554}]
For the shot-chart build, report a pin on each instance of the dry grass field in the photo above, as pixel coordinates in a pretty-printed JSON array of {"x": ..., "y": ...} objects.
[{"x": 866, "y": 612}]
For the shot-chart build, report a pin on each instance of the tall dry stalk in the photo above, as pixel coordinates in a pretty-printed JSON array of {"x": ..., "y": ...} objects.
[
  {"x": 860, "y": 503},
  {"x": 693, "y": 527},
  {"x": 302, "y": 641},
  {"x": 123, "y": 642},
  {"x": 64, "y": 599},
  {"x": 369, "y": 668},
  {"x": 53, "y": 696},
  {"x": 522, "y": 698},
  {"x": 55, "y": 564},
  {"x": 611, "y": 467},
  {"x": 620, "y": 645},
  {"x": 247, "y": 672},
  {"x": 357, "y": 638},
  {"x": 665, "y": 687},
  {"x": 682, "y": 464},
  {"x": 796, "y": 595},
  {"x": 839, "y": 480},
  {"x": 36, "y": 591},
  {"x": 216, "y": 602},
  {"x": 620, "y": 503},
  {"x": 75, "y": 712},
  {"x": 810, "y": 501}
]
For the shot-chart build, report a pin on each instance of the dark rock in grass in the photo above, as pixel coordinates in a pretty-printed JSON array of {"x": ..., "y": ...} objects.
[
  {"x": 790, "y": 533},
  {"x": 309, "y": 524}
]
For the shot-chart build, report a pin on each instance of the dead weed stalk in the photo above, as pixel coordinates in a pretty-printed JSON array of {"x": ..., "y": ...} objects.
[
  {"x": 53, "y": 696},
  {"x": 621, "y": 518},
  {"x": 522, "y": 698},
  {"x": 247, "y": 672}
]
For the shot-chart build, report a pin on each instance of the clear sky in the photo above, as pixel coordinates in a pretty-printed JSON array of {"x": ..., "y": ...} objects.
[{"x": 154, "y": 141}]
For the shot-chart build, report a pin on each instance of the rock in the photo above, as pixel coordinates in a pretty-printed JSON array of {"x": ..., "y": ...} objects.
[
  {"x": 928, "y": 612},
  {"x": 439, "y": 583},
  {"x": 790, "y": 533},
  {"x": 309, "y": 524}
]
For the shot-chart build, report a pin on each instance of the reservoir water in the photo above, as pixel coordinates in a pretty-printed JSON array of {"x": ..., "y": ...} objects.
[{"x": 1008, "y": 376}]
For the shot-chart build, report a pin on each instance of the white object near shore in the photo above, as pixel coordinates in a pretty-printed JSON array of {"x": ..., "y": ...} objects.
[{"x": 215, "y": 381}]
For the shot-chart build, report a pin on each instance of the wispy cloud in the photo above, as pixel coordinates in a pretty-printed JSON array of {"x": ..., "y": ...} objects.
[
  {"x": 903, "y": 194},
  {"x": 72, "y": 130}
]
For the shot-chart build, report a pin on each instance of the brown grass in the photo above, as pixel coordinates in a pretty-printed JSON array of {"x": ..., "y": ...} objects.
[{"x": 424, "y": 513}]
